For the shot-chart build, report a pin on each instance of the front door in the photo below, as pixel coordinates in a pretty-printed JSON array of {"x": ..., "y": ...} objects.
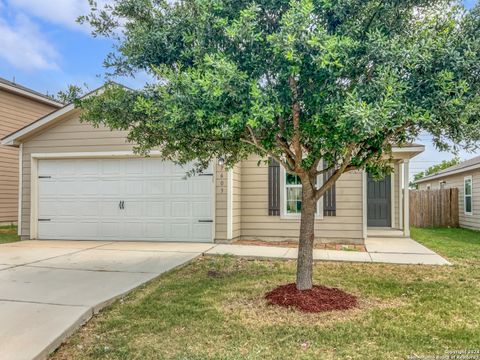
[{"x": 379, "y": 202}]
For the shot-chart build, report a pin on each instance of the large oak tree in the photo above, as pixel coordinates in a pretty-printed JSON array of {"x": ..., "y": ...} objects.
[{"x": 300, "y": 81}]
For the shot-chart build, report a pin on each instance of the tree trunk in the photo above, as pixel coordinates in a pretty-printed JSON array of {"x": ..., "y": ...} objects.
[{"x": 307, "y": 236}]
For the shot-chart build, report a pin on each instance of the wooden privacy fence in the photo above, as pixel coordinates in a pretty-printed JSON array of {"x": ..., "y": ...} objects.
[{"x": 434, "y": 208}]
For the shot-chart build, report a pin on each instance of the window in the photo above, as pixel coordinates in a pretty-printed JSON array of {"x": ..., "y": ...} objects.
[
  {"x": 293, "y": 194},
  {"x": 467, "y": 195}
]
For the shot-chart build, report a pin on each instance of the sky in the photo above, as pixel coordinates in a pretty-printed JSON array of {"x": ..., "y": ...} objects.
[{"x": 44, "y": 48}]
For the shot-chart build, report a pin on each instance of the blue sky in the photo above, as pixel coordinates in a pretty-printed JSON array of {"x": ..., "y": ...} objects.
[{"x": 43, "y": 48}]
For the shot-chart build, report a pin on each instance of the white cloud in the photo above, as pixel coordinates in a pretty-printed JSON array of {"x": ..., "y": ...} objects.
[
  {"x": 61, "y": 12},
  {"x": 24, "y": 47}
]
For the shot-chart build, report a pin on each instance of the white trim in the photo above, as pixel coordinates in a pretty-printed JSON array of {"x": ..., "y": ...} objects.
[
  {"x": 392, "y": 200},
  {"x": 406, "y": 200},
  {"x": 364, "y": 204},
  {"x": 20, "y": 189},
  {"x": 433, "y": 177},
  {"x": 33, "y": 197},
  {"x": 11, "y": 139},
  {"x": 400, "y": 196},
  {"x": 469, "y": 177},
  {"x": 283, "y": 200},
  {"x": 35, "y": 157},
  {"x": 93, "y": 154},
  {"x": 230, "y": 204},
  {"x": 417, "y": 149},
  {"x": 30, "y": 95}
]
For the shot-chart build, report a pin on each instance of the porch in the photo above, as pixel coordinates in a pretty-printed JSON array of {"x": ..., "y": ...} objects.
[{"x": 386, "y": 201}]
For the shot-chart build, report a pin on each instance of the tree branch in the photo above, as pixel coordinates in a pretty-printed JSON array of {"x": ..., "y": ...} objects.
[{"x": 296, "y": 122}]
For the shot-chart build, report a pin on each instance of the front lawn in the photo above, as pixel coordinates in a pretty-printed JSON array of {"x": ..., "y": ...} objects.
[
  {"x": 8, "y": 234},
  {"x": 213, "y": 309},
  {"x": 456, "y": 244}
]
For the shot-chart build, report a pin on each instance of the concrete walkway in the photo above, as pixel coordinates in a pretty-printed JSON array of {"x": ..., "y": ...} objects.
[
  {"x": 49, "y": 288},
  {"x": 379, "y": 250}
]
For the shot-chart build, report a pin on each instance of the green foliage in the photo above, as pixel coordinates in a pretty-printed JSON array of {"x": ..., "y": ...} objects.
[
  {"x": 433, "y": 170},
  {"x": 233, "y": 77},
  {"x": 71, "y": 94}
]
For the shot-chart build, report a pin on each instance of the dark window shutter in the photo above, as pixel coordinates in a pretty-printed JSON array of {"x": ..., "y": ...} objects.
[
  {"x": 273, "y": 187},
  {"x": 329, "y": 198}
]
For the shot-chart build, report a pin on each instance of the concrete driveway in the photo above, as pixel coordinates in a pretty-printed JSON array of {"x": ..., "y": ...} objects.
[{"x": 49, "y": 288}]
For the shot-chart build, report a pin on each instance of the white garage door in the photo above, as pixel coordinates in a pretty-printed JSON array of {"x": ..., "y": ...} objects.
[{"x": 123, "y": 199}]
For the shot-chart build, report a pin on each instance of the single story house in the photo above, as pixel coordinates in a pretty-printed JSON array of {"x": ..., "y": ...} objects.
[
  {"x": 466, "y": 177},
  {"x": 85, "y": 183},
  {"x": 19, "y": 106}
]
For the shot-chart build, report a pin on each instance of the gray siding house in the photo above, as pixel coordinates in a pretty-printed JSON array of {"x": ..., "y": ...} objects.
[{"x": 466, "y": 177}]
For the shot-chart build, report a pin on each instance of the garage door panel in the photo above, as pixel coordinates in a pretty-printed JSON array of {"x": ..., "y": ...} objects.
[
  {"x": 180, "y": 231},
  {"x": 155, "y": 187},
  {"x": 202, "y": 231},
  {"x": 112, "y": 229},
  {"x": 156, "y": 209},
  {"x": 89, "y": 208},
  {"x": 110, "y": 208},
  {"x": 180, "y": 187},
  {"x": 89, "y": 187},
  {"x": 134, "y": 208},
  {"x": 82, "y": 197},
  {"x": 111, "y": 187},
  {"x": 181, "y": 209},
  {"x": 202, "y": 210},
  {"x": 134, "y": 187},
  {"x": 155, "y": 230}
]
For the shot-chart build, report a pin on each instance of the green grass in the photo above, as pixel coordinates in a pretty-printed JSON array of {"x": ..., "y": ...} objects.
[
  {"x": 8, "y": 234},
  {"x": 456, "y": 244},
  {"x": 213, "y": 308}
]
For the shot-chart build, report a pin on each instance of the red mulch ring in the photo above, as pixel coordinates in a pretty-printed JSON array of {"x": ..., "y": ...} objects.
[{"x": 318, "y": 299}]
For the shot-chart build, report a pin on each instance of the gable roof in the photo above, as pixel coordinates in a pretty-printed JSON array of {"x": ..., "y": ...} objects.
[
  {"x": 14, "y": 138},
  {"x": 467, "y": 165},
  {"x": 28, "y": 93}
]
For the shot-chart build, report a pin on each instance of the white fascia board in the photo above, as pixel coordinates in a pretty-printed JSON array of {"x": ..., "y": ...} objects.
[
  {"x": 30, "y": 95},
  {"x": 414, "y": 149}
]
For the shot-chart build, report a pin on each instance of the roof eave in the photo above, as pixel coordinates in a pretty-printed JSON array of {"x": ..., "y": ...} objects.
[
  {"x": 30, "y": 95},
  {"x": 442, "y": 175}
]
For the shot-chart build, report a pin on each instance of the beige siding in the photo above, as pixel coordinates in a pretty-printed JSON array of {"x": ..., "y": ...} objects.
[
  {"x": 236, "y": 203},
  {"x": 466, "y": 221},
  {"x": 15, "y": 112},
  {"x": 70, "y": 135},
  {"x": 221, "y": 204},
  {"x": 256, "y": 224}
]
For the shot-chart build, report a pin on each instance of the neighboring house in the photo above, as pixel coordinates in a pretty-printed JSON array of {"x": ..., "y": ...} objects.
[
  {"x": 19, "y": 106},
  {"x": 466, "y": 177},
  {"x": 81, "y": 182}
]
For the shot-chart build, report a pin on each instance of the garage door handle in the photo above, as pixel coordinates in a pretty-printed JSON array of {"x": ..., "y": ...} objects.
[{"x": 205, "y": 221}]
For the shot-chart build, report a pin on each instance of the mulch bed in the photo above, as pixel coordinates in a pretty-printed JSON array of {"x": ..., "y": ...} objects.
[{"x": 318, "y": 299}]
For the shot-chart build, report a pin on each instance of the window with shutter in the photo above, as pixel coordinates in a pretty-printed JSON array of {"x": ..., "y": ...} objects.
[
  {"x": 329, "y": 199},
  {"x": 273, "y": 187}
]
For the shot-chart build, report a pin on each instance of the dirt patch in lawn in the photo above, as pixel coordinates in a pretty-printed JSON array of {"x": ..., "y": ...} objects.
[
  {"x": 317, "y": 299},
  {"x": 255, "y": 310},
  {"x": 293, "y": 244}
]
